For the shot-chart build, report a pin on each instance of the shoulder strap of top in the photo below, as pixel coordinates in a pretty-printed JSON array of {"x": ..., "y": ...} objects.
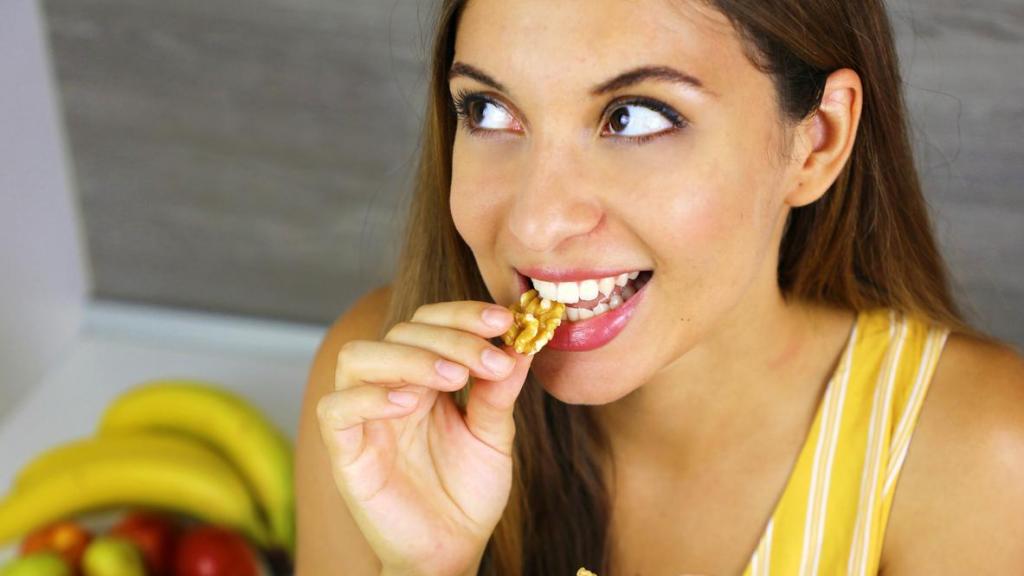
[
  {"x": 831, "y": 517},
  {"x": 906, "y": 349}
]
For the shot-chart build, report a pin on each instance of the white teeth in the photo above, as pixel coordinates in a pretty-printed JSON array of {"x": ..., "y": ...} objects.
[
  {"x": 547, "y": 290},
  {"x": 568, "y": 292},
  {"x": 579, "y": 314},
  {"x": 584, "y": 290},
  {"x": 627, "y": 292},
  {"x": 588, "y": 290}
]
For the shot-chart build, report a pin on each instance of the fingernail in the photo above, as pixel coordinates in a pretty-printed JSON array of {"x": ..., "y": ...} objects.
[
  {"x": 450, "y": 370},
  {"x": 496, "y": 317},
  {"x": 402, "y": 398},
  {"x": 497, "y": 362}
]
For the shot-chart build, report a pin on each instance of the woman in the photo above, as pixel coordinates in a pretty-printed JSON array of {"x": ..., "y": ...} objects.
[{"x": 748, "y": 404}]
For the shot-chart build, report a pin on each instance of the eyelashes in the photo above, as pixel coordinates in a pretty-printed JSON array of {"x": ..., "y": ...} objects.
[
  {"x": 460, "y": 103},
  {"x": 463, "y": 101}
]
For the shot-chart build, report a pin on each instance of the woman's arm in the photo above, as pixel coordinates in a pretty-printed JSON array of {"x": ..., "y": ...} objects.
[
  {"x": 329, "y": 542},
  {"x": 959, "y": 507}
]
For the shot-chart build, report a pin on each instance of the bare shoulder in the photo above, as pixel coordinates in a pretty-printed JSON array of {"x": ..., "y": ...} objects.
[
  {"x": 361, "y": 320},
  {"x": 959, "y": 503},
  {"x": 327, "y": 535}
]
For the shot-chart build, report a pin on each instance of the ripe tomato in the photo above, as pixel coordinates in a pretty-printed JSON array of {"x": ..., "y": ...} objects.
[{"x": 209, "y": 550}]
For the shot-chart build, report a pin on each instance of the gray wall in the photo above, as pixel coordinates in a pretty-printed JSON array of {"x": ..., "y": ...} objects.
[
  {"x": 964, "y": 75},
  {"x": 245, "y": 156},
  {"x": 251, "y": 156}
]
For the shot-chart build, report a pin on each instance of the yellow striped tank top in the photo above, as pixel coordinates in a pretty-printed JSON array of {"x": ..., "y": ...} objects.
[{"x": 831, "y": 517}]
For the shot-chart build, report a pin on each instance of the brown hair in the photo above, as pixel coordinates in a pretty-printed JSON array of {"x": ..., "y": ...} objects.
[{"x": 866, "y": 243}]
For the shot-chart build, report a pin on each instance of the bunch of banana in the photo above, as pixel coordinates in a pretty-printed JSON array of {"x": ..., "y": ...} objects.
[
  {"x": 183, "y": 445},
  {"x": 229, "y": 423},
  {"x": 164, "y": 471}
]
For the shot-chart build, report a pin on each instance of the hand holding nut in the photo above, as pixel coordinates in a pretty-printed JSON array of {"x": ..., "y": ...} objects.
[{"x": 535, "y": 321}]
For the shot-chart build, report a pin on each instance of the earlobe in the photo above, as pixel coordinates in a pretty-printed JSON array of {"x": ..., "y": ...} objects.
[{"x": 829, "y": 135}]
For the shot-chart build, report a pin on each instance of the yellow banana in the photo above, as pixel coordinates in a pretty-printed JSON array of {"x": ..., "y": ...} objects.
[
  {"x": 229, "y": 423},
  {"x": 85, "y": 450},
  {"x": 92, "y": 474}
]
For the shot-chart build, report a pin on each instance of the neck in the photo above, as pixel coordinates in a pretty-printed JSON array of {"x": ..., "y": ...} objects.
[{"x": 707, "y": 401}]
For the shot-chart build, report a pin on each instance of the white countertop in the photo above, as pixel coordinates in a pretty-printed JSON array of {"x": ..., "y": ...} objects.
[{"x": 123, "y": 345}]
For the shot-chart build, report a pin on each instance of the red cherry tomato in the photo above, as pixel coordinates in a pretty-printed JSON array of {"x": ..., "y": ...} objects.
[
  {"x": 209, "y": 550},
  {"x": 67, "y": 537},
  {"x": 155, "y": 535}
]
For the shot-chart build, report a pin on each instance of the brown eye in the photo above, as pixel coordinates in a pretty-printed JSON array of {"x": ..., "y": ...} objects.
[
  {"x": 475, "y": 111},
  {"x": 640, "y": 118},
  {"x": 619, "y": 119},
  {"x": 481, "y": 113}
]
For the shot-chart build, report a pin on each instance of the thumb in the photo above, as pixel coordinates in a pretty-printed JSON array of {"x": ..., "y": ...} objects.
[{"x": 490, "y": 405}]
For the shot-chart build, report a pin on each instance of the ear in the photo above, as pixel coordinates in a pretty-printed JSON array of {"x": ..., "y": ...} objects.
[{"x": 824, "y": 140}]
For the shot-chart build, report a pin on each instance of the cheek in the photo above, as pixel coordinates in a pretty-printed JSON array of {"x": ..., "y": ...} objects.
[
  {"x": 462, "y": 208},
  {"x": 481, "y": 181},
  {"x": 472, "y": 210},
  {"x": 463, "y": 196},
  {"x": 707, "y": 223},
  {"x": 693, "y": 217}
]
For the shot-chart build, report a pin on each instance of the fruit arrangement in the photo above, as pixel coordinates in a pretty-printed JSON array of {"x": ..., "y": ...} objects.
[
  {"x": 144, "y": 542},
  {"x": 202, "y": 477}
]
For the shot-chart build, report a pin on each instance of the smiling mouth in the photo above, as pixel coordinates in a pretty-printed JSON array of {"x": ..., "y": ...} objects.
[{"x": 590, "y": 298}]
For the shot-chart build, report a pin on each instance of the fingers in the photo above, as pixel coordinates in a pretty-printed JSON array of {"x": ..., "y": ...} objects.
[
  {"x": 483, "y": 359},
  {"x": 490, "y": 406},
  {"x": 481, "y": 318},
  {"x": 438, "y": 348},
  {"x": 394, "y": 365},
  {"x": 343, "y": 413}
]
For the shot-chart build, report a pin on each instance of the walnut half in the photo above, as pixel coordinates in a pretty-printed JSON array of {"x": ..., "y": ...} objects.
[{"x": 535, "y": 321}]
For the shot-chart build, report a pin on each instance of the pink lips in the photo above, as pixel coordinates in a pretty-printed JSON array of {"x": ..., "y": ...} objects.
[{"x": 594, "y": 332}]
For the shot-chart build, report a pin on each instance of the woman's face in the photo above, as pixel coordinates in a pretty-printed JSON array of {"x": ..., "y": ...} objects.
[{"x": 563, "y": 181}]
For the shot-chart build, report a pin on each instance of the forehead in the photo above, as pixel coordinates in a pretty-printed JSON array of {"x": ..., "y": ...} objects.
[{"x": 584, "y": 42}]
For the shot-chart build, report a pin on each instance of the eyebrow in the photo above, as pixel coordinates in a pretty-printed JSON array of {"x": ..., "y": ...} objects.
[{"x": 624, "y": 80}]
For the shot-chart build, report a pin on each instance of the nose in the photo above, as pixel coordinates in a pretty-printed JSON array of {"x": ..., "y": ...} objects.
[{"x": 554, "y": 203}]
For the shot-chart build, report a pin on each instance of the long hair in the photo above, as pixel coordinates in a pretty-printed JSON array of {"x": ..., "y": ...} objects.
[{"x": 867, "y": 243}]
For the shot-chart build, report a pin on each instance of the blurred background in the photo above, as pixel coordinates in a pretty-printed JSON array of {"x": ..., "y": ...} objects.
[{"x": 200, "y": 187}]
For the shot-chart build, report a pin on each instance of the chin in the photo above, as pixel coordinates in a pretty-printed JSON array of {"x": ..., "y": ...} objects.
[{"x": 571, "y": 389}]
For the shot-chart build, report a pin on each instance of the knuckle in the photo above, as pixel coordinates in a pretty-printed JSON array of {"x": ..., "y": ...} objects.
[
  {"x": 461, "y": 347},
  {"x": 347, "y": 350},
  {"x": 451, "y": 339},
  {"x": 323, "y": 408},
  {"x": 397, "y": 330},
  {"x": 346, "y": 363},
  {"x": 425, "y": 310},
  {"x": 427, "y": 360}
]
